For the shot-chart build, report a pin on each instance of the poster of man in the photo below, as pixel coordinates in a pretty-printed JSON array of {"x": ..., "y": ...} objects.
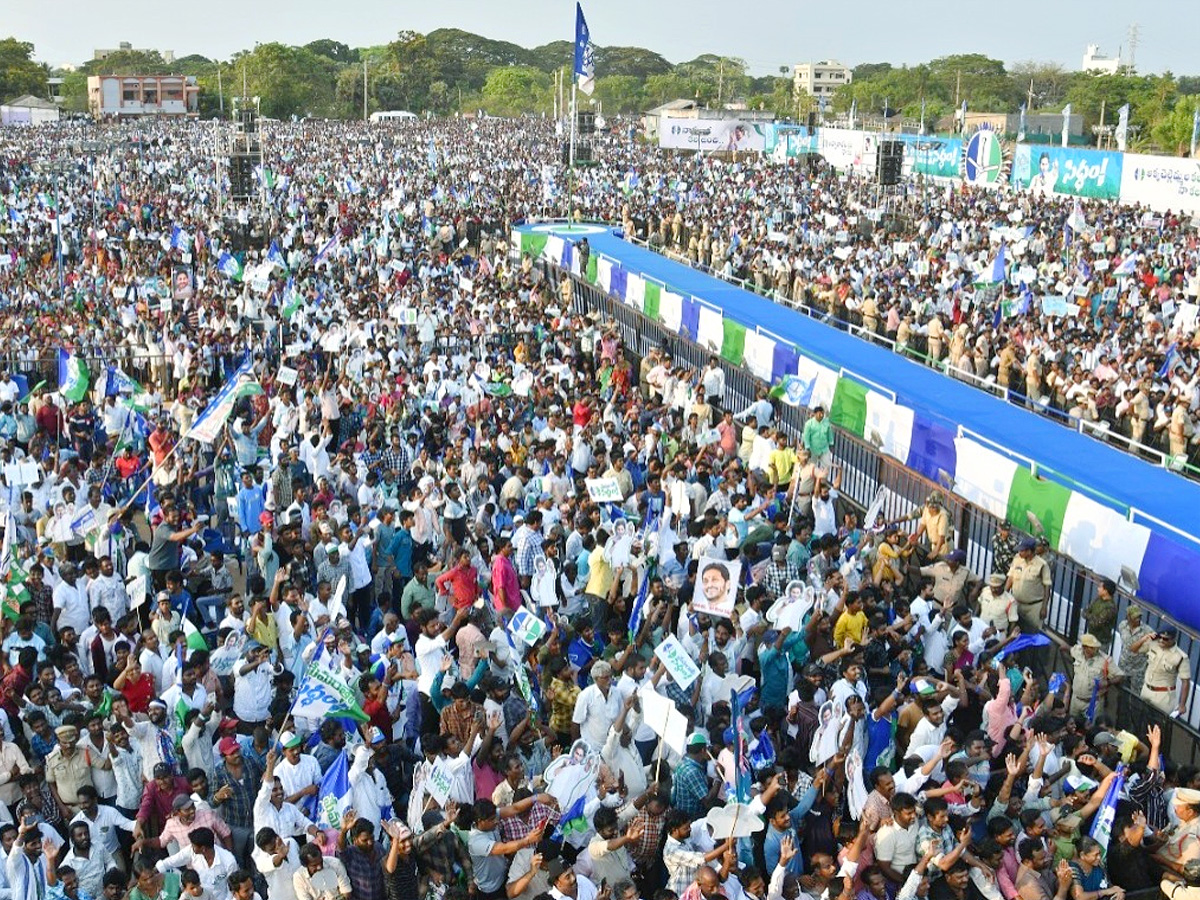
[
  {"x": 181, "y": 283},
  {"x": 719, "y": 580}
]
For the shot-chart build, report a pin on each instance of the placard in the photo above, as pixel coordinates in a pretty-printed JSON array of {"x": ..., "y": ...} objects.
[
  {"x": 286, "y": 375},
  {"x": 526, "y": 627},
  {"x": 718, "y": 580},
  {"x": 604, "y": 490},
  {"x": 661, "y": 717},
  {"x": 439, "y": 782},
  {"x": 678, "y": 664}
]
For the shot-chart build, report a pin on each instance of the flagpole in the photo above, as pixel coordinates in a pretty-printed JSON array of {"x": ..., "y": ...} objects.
[{"x": 571, "y": 156}]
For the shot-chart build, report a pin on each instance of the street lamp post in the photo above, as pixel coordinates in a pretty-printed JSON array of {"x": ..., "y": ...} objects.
[{"x": 52, "y": 169}]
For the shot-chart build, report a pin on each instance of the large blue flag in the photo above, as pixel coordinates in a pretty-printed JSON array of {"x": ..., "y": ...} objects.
[
  {"x": 585, "y": 64},
  {"x": 334, "y": 794},
  {"x": 571, "y": 822},
  {"x": 1023, "y": 642},
  {"x": 763, "y": 754},
  {"x": 1164, "y": 370},
  {"x": 741, "y": 761}
]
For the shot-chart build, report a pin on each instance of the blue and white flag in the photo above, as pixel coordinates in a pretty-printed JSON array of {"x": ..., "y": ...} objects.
[
  {"x": 432, "y": 154},
  {"x": 1066, "y": 130},
  {"x": 1128, "y": 265},
  {"x": 1091, "y": 708},
  {"x": 334, "y": 794},
  {"x": 572, "y": 820},
  {"x": 351, "y": 186},
  {"x": 228, "y": 265},
  {"x": 1122, "y": 132},
  {"x": 120, "y": 383},
  {"x": 330, "y": 245},
  {"x": 585, "y": 64},
  {"x": 762, "y": 754},
  {"x": 994, "y": 273},
  {"x": 1076, "y": 221},
  {"x": 1195, "y": 130},
  {"x": 275, "y": 256},
  {"x": 1164, "y": 370},
  {"x": 208, "y": 425},
  {"x": 1021, "y": 125},
  {"x": 1102, "y": 824},
  {"x": 180, "y": 240},
  {"x": 153, "y": 509}
]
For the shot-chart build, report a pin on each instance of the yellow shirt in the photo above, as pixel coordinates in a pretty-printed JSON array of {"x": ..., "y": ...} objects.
[
  {"x": 852, "y": 626},
  {"x": 782, "y": 463},
  {"x": 265, "y": 631},
  {"x": 600, "y": 574}
]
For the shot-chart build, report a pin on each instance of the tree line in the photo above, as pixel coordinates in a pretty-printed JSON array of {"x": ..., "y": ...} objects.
[{"x": 451, "y": 71}]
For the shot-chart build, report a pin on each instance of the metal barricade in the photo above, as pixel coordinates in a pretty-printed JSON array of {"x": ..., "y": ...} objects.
[{"x": 866, "y": 470}]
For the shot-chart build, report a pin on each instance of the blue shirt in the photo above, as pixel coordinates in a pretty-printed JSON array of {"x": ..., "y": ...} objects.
[
  {"x": 776, "y": 668},
  {"x": 400, "y": 550},
  {"x": 250, "y": 503}
]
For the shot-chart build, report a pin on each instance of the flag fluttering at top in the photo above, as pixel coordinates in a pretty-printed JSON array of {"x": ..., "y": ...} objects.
[{"x": 585, "y": 64}]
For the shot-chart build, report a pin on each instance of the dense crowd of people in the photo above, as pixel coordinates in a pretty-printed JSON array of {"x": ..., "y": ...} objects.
[{"x": 581, "y": 627}]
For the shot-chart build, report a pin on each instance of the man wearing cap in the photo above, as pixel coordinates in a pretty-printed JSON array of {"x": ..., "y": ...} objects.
[
  {"x": 1029, "y": 582},
  {"x": 953, "y": 582},
  {"x": 184, "y": 819},
  {"x": 997, "y": 607},
  {"x": 690, "y": 789},
  {"x": 1004, "y": 547},
  {"x": 933, "y": 524},
  {"x": 235, "y": 787},
  {"x": 67, "y": 770},
  {"x": 1166, "y": 666},
  {"x": 299, "y": 773},
  {"x": 1183, "y": 841},
  {"x": 1093, "y": 671},
  {"x": 1132, "y": 629},
  {"x": 1101, "y": 613}
]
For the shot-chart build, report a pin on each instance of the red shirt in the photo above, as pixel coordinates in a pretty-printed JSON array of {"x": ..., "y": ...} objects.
[
  {"x": 139, "y": 693},
  {"x": 463, "y": 585},
  {"x": 378, "y": 715}
]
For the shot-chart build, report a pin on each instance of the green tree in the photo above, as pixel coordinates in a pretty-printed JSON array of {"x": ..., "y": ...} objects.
[
  {"x": 335, "y": 50},
  {"x": 660, "y": 89},
  {"x": 1048, "y": 81},
  {"x": 288, "y": 80},
  {"x": 1172, "y": 132},
  {"x": 19, "y": 74},
  {"x": 74, "y": 91},
  {"x": 619, "y": 93},
  {"x": 516, "y": 90},
  {"x": 634, "y": 62},
  {"x": 130, "y": 62}
]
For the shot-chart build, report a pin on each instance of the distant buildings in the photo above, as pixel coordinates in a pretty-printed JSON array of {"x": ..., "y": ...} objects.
[
  {"x": 820, "y": 79},
  {"x": 1099, "y": 65},
  {"x": 118, "y": 96},
  {"x": 28, "y": 110},
  {"x": 126, "y": 47}
]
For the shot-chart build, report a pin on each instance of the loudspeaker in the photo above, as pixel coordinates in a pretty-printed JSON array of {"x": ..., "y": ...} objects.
[
  {"x": 890, "y": 162},
  {"x": 241, "y": 176},
  {"x": 585, "y": 123},
  {"x": 583, "y": 154},
  {"x": 812, "y": 122}
]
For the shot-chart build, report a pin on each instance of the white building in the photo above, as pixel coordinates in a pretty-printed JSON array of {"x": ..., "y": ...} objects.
[
  {"x": 820, "y": 79},
  {"x": 1097, "y": 64},
  {"x": 28, "y": 110},
  {"x": 116, "y": 96}
]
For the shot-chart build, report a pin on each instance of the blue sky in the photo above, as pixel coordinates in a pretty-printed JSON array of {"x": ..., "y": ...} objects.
[{"x": 767, "y": 33}]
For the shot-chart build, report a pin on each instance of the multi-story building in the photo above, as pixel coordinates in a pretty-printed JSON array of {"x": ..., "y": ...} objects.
[
  {"x": 126, "y": 47},
  {"x": 115, "y": 96},
  {"x": 820, "y": 79},
  {"x": 1097, "y": 64}
]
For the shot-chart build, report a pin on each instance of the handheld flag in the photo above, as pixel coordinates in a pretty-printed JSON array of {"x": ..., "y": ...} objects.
[
  {"x": 572, "y": 821},
  {"x": 275, "y": 256},
  {"x": 72, "y": 376},
  {"x": 334, "y": 793},
  {"x": 1024, "y": 642},
  {"x": 208, "y": 424},
  {"x": 180, "y": 240},
  {"x": 763, "y": 754},
  {"x": 323, "y": 694},
  {"x": 741, "y": 761},
  {"x": 1195, "y": 130},
  {"x": 1164, "y": 370},
  {"x": 1102, "y": 824},
  {"x": 228, "y": 265},
  {"x": 585, "y": 64},
  {"x": 192, "y": 636}
]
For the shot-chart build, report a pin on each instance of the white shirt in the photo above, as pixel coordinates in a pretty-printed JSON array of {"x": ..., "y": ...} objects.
[
  {"x": 278, "y": 878},
  {"x": 214, "y": 876},
  {"x": 287, "y": 821},
  {"x": 72, "y": 603},
  {"x": 104, "y": 827},
  {"x": 595, "y": 714},
  {"x": 252, "y": 693},
  {"x": 25, "y": 876},
  {"x": 429, "y": 652},
  {"x": 296, "y": 778}
]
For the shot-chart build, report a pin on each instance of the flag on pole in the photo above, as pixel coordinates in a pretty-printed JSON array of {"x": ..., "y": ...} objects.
[
  {"x": 1066, "y": 129},
  {"x": 15, "y": 592},
  {"x": 209, "y": 423},
  {"x": 1195, "y": 130},
  {"x": 330, "y": 245},
  {"x": 323, "y": 694},
  {"x": 120, "y": 383},
  {"x": 1021, "y": 124},
  {"x": 192, "y": 636},
  {"x": 763, "y": 753},
  {"x": 1076, "y": 221},
  {"x": 228, "y": 265},
  {"x": 1102, "y": 824},
  {"x": 334, "y": 794},
  {"x": 1091, "y": 708},
  {"x": 72, "y": 376},
  {"x": 291, "y": 300},
  {"x": 1122, "y": 132},
  {"x": 585, "y": 64},
  {"x": 741, "y": 761}
]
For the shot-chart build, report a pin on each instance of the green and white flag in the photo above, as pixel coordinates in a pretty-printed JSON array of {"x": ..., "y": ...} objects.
[
  {"x": 323, "y": 694},
  {"x": 73, "y": 376},
  {"x": 228, "y": 266}
]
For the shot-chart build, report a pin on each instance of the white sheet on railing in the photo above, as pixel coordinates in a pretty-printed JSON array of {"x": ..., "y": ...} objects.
[
  {"x": 1100, "y": 538},
  {"x": 893, "y": 423},
  {"x": 759, "y": 355},
  {"x": 710, "y": 332},
  {"x": 983, "y": 477},
  {"x": 635, "y": 291},
  {"x": 670, "y": 307},
  {"x": 604, "y": 274}
]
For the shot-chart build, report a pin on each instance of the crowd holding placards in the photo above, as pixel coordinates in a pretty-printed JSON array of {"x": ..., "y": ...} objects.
[{"x": 344, "y": 557}]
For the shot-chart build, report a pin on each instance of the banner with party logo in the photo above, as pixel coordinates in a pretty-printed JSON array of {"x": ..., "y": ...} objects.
[
  {"x": 711, "y": 134},
  {"x": 932, "y": 156},
  {"x": 1161, "y": 183}
]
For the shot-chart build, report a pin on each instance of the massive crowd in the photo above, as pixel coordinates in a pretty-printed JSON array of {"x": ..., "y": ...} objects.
[{"x": 712, "y": 681}]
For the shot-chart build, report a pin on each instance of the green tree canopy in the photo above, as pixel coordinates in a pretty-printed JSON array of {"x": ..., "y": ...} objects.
[{"x": 19, "y": 74}]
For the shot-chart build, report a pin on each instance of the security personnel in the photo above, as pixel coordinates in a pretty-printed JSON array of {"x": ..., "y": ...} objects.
[
  {"x": 1029, "y": 583},
  {"x": 1183, "y": 841},
  {"x": 1166, "y": 664},
  {"x": 1091, "y": 666}
]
